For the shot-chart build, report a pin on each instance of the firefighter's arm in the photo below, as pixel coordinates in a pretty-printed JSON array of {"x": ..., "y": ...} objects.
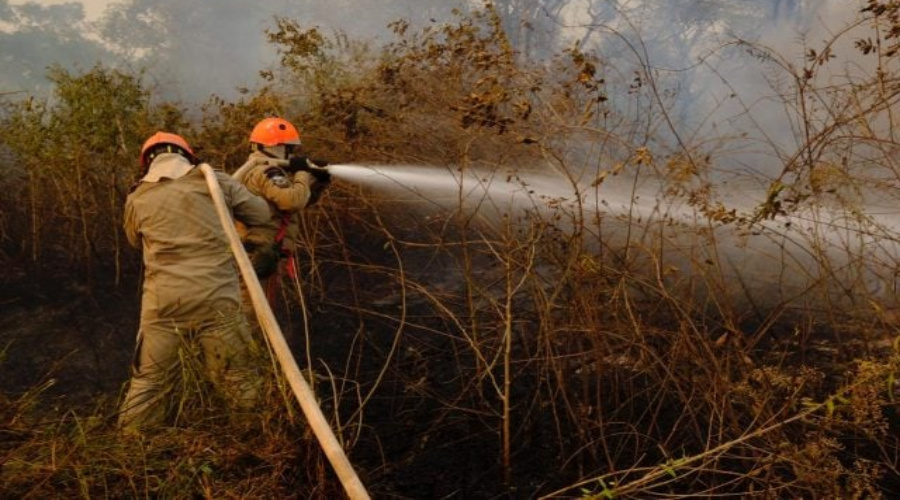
[
  {"x": 246, "y": 206},
  {"x": 289, "y": 192},
  {"x": 319, "y": 176},
  {"x": 130, "y": 226}
]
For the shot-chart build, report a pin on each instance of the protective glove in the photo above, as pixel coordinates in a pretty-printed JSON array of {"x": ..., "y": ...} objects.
[
  {"x": 297, "y": 164},
  {"x": 321, "y": 174},
  {"x": 265, "y": 259},
  {"x": 316, "y": 167},
  {"x": 316, "y": 190}
]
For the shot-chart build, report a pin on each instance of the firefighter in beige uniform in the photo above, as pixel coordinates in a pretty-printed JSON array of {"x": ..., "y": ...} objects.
[
  {"x": 287, "y": 183},
  {"x": 191, "y": 290}
]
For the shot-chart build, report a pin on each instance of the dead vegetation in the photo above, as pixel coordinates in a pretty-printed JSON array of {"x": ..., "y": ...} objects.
[{"x": 545, "y": 353}]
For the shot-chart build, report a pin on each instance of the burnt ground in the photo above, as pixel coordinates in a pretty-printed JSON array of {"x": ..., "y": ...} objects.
[
  {"x": 75, "y": 343},
  {"x": 428, "y": 431}
]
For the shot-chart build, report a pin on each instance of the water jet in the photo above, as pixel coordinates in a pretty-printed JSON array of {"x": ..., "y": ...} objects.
[{"x": 816, "y": 260}]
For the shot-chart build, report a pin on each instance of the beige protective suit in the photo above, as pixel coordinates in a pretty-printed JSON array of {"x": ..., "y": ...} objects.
[
  {"x": 286, "y": 195},
  {"x": 191, "y": 290}
]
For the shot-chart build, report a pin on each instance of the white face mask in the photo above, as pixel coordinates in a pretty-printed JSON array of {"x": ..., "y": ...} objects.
[{"x": 279, "y": 152}]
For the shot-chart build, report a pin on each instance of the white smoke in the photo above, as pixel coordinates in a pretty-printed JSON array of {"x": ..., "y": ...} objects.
[{"x": 720, "y": 71}]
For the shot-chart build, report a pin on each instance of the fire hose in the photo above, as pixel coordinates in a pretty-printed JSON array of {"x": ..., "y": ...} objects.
[{"x": 327, "y": 440}]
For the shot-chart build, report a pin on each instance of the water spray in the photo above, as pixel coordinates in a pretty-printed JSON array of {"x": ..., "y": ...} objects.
[
  {"x": 815, "y": 259},
  {"x": 810, "y": 259}
]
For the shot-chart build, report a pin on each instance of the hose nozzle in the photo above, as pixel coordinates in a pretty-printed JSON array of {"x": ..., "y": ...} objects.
[{"x": 316, "y": 167}]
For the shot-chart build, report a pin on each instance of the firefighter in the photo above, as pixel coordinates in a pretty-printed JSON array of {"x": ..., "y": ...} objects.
[
  {"x": 191, "y": 290},
  {"x": 288, "y": 182}
]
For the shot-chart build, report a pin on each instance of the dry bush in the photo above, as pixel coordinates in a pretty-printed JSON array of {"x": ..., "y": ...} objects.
[
  {"x": 208, "y": 449},
  {"x": 72, "y": 158},
  {"x": 565, "y": 348},
  {"x": 452, "y": 94},
  {"x": 570, "y": 335},
  {"x": 222, "y": 136}
]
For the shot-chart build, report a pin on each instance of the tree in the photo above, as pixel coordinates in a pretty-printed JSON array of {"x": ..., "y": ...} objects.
[
  {"x": 72, "y": 156},
  {"x": 888, "y": 13}
]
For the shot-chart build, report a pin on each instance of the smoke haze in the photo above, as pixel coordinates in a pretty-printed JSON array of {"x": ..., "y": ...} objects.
[
  {"x": 196, "y": 48},
  {"x": 718, "y": 68},
  {"x": 192, "y": 49}
]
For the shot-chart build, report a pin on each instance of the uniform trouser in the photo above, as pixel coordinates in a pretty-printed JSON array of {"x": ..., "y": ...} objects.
[
  {"x": 250, "y": 312},
  {"x": 266, "y": 267},
  {"x": 224, "y": 343}
]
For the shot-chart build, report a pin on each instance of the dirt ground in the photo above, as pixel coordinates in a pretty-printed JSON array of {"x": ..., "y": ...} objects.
[
  {"x": 79, "y": 345},
  {"x": 416, "y": 444}
]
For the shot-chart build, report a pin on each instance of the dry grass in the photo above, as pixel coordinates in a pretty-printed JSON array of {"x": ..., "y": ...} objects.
[{"x": 568, "y": 349}]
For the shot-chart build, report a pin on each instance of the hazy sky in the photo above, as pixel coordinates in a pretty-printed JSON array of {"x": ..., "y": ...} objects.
[
  {"x": 221, "y": 64},
  {"x": 224, "y": 52},
  {"x": 92, "y": 8}
]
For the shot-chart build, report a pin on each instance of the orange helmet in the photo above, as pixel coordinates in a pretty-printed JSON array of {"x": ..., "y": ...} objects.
[
  {"x": 164, "y": 138},
  {"x": 274, "y": 132}
]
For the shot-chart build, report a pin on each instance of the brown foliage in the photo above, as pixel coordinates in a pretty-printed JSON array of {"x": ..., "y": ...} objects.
[{"x": 581, "y": 364}]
